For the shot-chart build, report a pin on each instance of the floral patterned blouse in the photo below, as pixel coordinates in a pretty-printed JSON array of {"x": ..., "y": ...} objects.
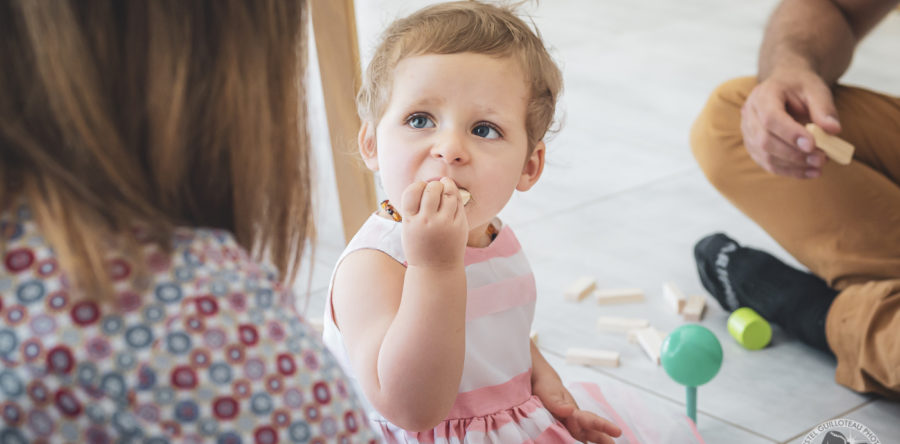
[{"x": 212, "y": 351}]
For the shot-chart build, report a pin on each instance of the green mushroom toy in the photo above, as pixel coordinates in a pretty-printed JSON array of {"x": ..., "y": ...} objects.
[{"x": 692, "y": 356}]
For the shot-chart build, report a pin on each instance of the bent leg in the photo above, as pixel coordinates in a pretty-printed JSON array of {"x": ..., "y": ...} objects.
[
  {"x": 843, "y": 226},
  {"x": 863, "y": 329}
]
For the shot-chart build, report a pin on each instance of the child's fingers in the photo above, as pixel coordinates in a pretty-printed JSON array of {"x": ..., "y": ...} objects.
[
  {"x": 597, "y": 438},
  {"x": 559, "y": 407},
  {"x": 411, "y": 199},
  {"x": 450, "y": 188},
  {"x": 450, "y": 199},
  {"x": 431, "y": 198},
  {"x": 595, "y": 425},
  {"x": 575, "y": 429}
]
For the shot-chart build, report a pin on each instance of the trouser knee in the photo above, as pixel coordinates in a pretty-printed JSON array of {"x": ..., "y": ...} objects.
[{"x": 716, "y": 138}]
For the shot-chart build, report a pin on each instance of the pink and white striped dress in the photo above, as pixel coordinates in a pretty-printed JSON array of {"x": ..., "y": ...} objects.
[{"x": 494, "y": 404}]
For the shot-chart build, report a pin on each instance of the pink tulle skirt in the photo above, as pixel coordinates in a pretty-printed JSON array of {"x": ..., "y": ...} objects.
[{"x": 643, "y": 420}]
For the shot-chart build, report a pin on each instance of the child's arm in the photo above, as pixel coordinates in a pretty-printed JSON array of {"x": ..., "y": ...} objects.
[
  {"x": 404, "y": 328},
  {"x": 548, "y": 387}
]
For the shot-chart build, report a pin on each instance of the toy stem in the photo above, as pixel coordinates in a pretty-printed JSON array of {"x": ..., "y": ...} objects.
[{"x": 692, "y": 403}]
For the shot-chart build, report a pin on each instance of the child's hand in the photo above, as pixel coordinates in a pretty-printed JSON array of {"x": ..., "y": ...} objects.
[
  {"x": 435, "y": 228},
  {"x": 583, "y": 425}
]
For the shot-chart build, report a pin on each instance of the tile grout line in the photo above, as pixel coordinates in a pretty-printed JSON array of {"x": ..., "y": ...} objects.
[
  {"x": 660, "y": 395},
  {"x": 839, "y": 415},
  {"x": 612, "y": 195}
]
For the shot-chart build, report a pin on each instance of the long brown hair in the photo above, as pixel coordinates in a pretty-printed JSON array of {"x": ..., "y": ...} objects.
[{"x": 161, "y": 113}]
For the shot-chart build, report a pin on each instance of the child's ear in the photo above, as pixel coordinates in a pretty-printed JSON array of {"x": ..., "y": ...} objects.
[
  {"x": 367, "y": 146},
  {"x": 534, "y": 166}
]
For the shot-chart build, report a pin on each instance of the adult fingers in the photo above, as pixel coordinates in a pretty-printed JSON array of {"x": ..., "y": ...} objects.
[
  {"x": 775, "y": 154},
  {"x": 774, "y": 120},
  {"x": 820, "y": 103},
  {"x": 790, "y": 170}
]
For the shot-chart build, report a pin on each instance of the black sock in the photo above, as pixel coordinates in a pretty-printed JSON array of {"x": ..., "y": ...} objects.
[{"x": 744, "y": 277}]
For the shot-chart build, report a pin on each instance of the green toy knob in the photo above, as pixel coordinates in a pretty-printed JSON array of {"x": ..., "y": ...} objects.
[
  {"x": 692, "y": 356},
  {"x": 749, "y": 328}
]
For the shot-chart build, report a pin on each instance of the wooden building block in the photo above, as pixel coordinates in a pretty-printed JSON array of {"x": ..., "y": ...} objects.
[
  {"x": 673, "y": 295},
  {"x": 586, "y": 356},
  {"x": 693, "y": 310},
  {"x": 836, "y": 148},
  {"x": 632, "y": 335},
  {"x": 620, "y": 325},
  {"x": 650, "y": 339},
  {"x": 580, "y": 288},
  {"x": 618, "y": 295}
]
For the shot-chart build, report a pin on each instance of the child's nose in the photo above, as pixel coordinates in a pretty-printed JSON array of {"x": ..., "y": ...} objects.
[{"x": 451, "y": 148}]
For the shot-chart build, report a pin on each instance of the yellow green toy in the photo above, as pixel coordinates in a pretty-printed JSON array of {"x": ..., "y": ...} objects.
[{"x": 749, "y": 328}]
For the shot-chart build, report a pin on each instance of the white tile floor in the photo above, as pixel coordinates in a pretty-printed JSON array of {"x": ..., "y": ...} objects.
[{"x": 622, "y": 200}]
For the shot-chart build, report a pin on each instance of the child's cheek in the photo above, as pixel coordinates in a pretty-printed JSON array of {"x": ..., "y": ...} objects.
[{"x": 396, "y": 177}]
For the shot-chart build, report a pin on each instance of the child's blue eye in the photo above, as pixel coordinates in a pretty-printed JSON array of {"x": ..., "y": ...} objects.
[
  {"x": 486, "y": 131},
  {"x": 420, "y": 122}
]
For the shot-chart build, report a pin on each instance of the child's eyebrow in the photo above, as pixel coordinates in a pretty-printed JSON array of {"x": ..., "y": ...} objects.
[
  {"x": 430, "y": 101},
  {"x": 494, "y": 115},
  {"x": 484, "y": 110},
  {"x": 488, "y": 111}
]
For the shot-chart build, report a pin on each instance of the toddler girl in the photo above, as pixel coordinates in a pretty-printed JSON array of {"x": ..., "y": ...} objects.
[{"x": 431, "y": 304}]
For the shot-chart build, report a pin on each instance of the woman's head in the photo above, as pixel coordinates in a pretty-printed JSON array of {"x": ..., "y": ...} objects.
[
  {"x": 459, "y": 27},
  {"x": 158, "y": 113}
]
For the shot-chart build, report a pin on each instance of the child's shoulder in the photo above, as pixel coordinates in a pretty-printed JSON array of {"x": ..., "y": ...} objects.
[
  {"x": 368, "y": 277},
  {"x": 380, "y": 234}
]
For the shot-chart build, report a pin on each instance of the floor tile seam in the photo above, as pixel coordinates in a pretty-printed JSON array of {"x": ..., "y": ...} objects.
[
  {"x": 612, "y": 195},
  {"x": 792, "y": 439},
  {"x": 660, "y": 395}
]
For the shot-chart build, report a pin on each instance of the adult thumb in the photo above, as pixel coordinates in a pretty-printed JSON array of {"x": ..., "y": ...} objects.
[{"x": 822, "y": 112}]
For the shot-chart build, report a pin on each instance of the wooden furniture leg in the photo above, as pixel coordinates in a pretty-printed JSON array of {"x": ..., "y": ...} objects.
[{"x": 334, "y": 27}]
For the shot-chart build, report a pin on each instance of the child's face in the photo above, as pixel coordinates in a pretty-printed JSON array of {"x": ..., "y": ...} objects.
[{"x": 461, "y": 116}]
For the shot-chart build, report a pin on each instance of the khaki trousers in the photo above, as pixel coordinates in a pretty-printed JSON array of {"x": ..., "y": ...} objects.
[{"x": 844, "y": 226}]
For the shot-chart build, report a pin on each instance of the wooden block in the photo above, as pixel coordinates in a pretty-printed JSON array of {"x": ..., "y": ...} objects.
[
  {"x": 836, "y": 148},
  {"x": 620, "y": 325},
  {"x": 632, "y": 335},
  {"x": 586, "y": 356},
  {"x": 618, "y": 295},
  {"x": 674, "y": 297},
  {"x": 650, "y": 339},
  {"x": 534, "y": 336},
  {"x": 580, "y": 288},
  {"x": 693, "y": 310}
]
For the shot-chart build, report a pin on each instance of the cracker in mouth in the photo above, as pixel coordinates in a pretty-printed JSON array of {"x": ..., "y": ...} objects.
[{"x": 465, "y": 195}]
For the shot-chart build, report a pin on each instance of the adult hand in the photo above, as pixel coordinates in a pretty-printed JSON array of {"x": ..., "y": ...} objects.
[
  {"x": 773, "y": 117},
  {"x": 435, "y": 227}
]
